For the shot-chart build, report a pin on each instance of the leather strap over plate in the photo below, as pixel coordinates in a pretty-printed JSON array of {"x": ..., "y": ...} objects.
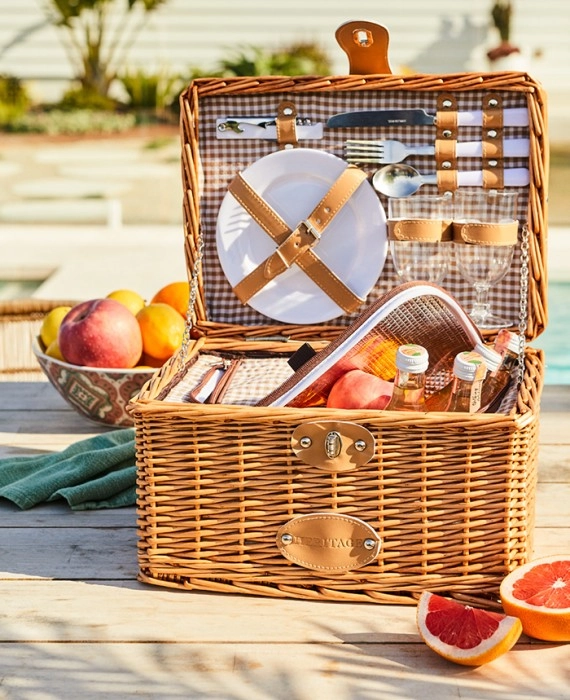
[{"x": 296, "y": 246}]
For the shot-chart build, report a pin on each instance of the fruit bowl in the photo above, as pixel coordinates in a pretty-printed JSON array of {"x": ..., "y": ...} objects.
[{"x": 99, "y": 394}]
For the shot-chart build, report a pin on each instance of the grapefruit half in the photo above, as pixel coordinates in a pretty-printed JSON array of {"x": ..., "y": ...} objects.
[
  {"x": 538, "y": 593},
  {"x": 463, "y": 634}
]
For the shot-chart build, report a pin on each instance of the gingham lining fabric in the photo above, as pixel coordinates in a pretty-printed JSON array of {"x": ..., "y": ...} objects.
[
  {"x": 222, "y": 159},
  {"x": 252, "y": 380}
]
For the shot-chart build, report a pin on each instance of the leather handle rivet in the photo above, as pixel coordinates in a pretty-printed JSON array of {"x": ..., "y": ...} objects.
[
  {"x": 446, "y": 165},
  {"x": 286, "y": 539},
  {"x": 305, "y": 442},
  {"x": 492, "y": 134},
  {"x": 493, "y": 102},
  {"x": 333, "y": 444},
  {"x": 447, "y": 104},
  {"x": 493, "y": 163},
  {"x": 287, "y": 111},
  {"x": 369, "y": 544},
  {"x": 360, "y": 445},
  {"x": 447, "y": 133}
]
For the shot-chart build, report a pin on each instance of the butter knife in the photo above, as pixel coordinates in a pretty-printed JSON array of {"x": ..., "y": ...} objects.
[{"x": 419, "y": 117}]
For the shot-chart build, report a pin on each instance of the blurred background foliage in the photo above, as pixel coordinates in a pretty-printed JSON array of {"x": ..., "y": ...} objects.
[{"x": 102, "y": 72}]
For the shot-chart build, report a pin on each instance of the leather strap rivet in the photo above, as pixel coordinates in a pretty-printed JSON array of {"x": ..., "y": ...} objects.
[
  {"x": 360, "y": 445},
  {"x": 446, "y": 133},
  {"x": 493, "y": 163},
  {"x": 305, "y": 442},
  {"x": 446, "y": 165},
  {"x": 288, "y": 145},
  {"x": 287, "y": 111},
  {"x": 447, "y": 104},
  {"x": 288, "y": 539},
  {"x": 493, "y": 102},
  {"x": 327, "y": 210},
  {"x": 369, "y": 544},
  {"x": 492, "y": 134}
]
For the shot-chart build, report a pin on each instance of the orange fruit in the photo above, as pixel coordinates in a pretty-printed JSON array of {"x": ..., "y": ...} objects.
[
  {"x": 127, "y": 297},
  {"x": 162, "y": 329},
  {"x": 539, "y": 594},
  {"x": 174, "y": 294},
  {"x": 463, "y": 634}
]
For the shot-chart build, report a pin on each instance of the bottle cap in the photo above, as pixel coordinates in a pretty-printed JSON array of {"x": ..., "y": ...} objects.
[
  {"x": 469, "y": 365},
  {"x": 412, "y": 358},
  {"x": 507, "y": 340},
  {"x": 492, "y": 358}
]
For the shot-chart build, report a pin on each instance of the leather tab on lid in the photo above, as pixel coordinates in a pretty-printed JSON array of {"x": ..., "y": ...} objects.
[
  {"x": 329, "y": 542},
  {"x": 333, "y": 446},
  {"x": 286, "y": 125}
]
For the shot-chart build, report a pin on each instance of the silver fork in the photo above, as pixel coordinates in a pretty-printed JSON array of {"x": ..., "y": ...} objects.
[
  {"x": 357, "y": 151},
  {"x": 385, "y": 152}
]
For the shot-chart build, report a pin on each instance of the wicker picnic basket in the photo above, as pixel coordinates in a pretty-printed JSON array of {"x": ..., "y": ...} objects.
[
  {"x": 20, "y": 321},
  {"x": 446, "y": 502}
]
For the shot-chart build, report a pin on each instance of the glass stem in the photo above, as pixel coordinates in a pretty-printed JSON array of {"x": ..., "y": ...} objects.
[{"x": 481, "y": 307}]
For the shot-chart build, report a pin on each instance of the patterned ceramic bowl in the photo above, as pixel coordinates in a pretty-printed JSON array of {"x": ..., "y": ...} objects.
[{"x": 99, "y": 394}]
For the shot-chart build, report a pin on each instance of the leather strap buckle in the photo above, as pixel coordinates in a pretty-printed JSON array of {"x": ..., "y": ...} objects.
[{"x": 315, "y": 233}]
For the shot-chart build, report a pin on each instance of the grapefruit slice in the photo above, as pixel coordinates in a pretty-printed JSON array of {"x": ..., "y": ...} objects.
[
  {"x": 463, "y": 634},
  {"x": 538, "y": 593}
]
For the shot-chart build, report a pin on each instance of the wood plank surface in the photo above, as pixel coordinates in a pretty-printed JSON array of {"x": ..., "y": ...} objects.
[{"x": 75, "y": 621}]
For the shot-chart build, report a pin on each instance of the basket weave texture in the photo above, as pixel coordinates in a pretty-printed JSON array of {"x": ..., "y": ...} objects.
[
  {"x": 451, "y": 495},
  {"x": 20, "y": 322}
]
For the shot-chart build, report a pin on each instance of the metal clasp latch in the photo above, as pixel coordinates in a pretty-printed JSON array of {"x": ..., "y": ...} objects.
[{"x": 333, "y": 446}]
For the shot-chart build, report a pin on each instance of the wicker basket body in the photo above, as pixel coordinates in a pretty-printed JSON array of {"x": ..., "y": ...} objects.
[
  {"x": 20, "y": 322},
  {"x": 450, "y": 496}
]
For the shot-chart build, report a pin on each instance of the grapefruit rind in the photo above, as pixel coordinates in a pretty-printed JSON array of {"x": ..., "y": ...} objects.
[
  {"x": 550, "y": 624},
  {"x": 507, "y": 632}
]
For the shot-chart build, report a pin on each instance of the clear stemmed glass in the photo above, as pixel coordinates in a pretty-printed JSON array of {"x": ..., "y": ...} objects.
[
  {"x": 491, "y": 216},
  {"x": 420, "y": 216},
  {"x": 484, "y": 266}
]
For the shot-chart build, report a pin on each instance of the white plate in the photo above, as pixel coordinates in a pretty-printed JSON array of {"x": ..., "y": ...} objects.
[{"x": 354, "y": 245}]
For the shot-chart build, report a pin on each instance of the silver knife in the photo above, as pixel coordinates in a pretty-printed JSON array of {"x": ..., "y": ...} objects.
[{"x": 419, "y": 117}]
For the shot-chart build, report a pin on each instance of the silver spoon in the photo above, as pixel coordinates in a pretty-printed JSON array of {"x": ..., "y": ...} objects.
[{"x": 401, "y": 180}]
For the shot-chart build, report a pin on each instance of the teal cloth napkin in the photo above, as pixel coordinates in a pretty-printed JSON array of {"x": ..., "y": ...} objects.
[{"x": 98, "y": 472}]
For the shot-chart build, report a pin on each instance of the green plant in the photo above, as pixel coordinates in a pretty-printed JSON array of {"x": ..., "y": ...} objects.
[
  {"x": 298, "y": 58},
  {"x": 97, "y": 35},
  {"x": 85, "y": 98},
  {"x": 14, "y": 99},
  {"x": 501, "y": 14},
  {"x": 81, "y": 121},
  {"x": 150, "y": 91}
]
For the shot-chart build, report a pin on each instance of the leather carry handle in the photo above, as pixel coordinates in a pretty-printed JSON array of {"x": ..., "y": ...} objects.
[{"x": 366, "y": 45}]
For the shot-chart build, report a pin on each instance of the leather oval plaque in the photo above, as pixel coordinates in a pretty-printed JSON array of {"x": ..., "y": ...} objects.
[{"x": 328, "y": 542}]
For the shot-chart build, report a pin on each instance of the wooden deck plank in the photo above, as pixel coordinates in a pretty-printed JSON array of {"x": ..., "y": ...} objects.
[
  {"x": 347, "y": 670},
  {"x": 76, "y": 623}
]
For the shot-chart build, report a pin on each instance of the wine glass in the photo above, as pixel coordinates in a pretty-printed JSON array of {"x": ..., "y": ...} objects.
[
  {"x": 485, "y": 233},
  {"x": 418, "y": 228}
]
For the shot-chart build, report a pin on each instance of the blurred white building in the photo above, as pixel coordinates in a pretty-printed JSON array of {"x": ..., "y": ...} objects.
[{"x": 436, "y": 36}]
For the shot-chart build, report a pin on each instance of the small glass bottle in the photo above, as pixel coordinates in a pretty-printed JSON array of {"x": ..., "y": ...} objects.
[
  {"x": 469, "y": 370},
  {"x": 409, "y": 383},
  {"x": 439, "y": 400},
  {"x": 498, "y": 380}
]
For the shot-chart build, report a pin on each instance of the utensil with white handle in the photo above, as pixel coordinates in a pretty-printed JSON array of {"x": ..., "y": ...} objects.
[
  {"x": 390, "y": 151},
  {"x": 400, "y": 180}
]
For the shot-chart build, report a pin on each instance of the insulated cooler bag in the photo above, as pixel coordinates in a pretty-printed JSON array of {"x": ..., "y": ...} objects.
[{"x": 286, "y": 247}]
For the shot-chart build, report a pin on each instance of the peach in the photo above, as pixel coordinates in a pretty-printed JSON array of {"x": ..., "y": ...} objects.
[
  {"x": 100, "y": 333},
  {"x": 359, "y": 389}
]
